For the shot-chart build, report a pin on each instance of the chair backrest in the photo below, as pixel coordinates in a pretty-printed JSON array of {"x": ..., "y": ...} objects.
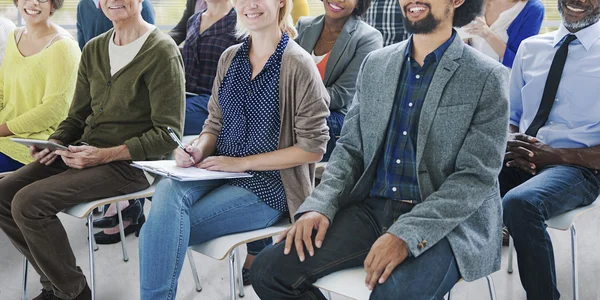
[
  {"x": 565, "y": 221},
  {"x": 349, "y": 283}
]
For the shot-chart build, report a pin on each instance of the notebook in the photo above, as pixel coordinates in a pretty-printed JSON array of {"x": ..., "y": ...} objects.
[{"x": 169, "y": 169}]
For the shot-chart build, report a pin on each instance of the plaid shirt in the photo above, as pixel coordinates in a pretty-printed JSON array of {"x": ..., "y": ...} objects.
[
  {"x": 397, "y": 169},
  {"x": 386, "y": 16},
  {"x": 201, "y": 52}
]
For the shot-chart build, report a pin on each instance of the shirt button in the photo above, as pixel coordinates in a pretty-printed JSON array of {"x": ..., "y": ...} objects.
[
  {"x": 418, "y": 76},
  {"x": 394, "y": 189},
  {"x": 541, "y": 137},
  {"x": 101, "y": 109},
  {"x": 108, "y": 83},
  {"x": 404, "y": 133},
  {"x": 398, "y": 161},
  {"x": 551, "y": 123},
  {"x": 410, "y": 104},
  {"x": 249, "y": 92},
  {"x": 556, "y": 99}
]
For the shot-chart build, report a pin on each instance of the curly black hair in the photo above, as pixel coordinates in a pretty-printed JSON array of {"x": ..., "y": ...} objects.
[
  {"x": 361, "y": 8},
  {"x": 467, "y": 12}
]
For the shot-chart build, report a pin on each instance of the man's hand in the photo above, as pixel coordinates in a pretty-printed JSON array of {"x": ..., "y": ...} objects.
[
  {"x": 387, "y": 253},
  {"x": 225, "y": 164},
  {"x": 300, "y": 233},
  {"x": 45, "y": 156},
  {"x": 519, "y": 157},
  {"x": 183, "y": 160},
  {"x": 81, "y": 157},
  {"x": 538, "y": 153}
]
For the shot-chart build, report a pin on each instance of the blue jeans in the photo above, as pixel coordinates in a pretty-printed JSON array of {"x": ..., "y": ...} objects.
[
  {"x": 196, "y": 112},
  {"x": 190, "y": 213},
  {"x": 528, "y": 201},
  {"x": 335, "y": 121},
  {"x": 8, "y": 164},
  {"x": 347, "y": 243}
]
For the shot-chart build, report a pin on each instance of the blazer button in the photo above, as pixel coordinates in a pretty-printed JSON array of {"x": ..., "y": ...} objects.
[
  {"x": 420, "y": 246},
  {"x": 424, "y": 243},
  {"x": 108, "y": 83}
]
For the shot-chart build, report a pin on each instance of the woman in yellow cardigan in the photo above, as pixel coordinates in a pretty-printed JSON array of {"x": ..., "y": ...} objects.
[{"x": 37, "y": 80}]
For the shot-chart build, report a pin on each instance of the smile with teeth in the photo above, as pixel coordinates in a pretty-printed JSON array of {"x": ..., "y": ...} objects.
[
  {"x": 32, "y": 12},
  {"x": 253, "y": 16},
  {"x": 574, "y": 9},
  {"x": 116, "y": 7},
  {"x": 417, "y": 9},
  {"x": 335, "y": 7}
]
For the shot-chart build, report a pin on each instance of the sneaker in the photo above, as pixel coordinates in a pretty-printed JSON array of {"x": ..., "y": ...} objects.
[{"x": 246, "y": 276}]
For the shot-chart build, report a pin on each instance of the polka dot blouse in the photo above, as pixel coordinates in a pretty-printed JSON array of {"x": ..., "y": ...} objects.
[{"x": 251, "y": 121}]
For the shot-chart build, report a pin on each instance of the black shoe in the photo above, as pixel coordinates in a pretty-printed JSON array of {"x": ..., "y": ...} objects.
[
  {"x": 505, "y": 236},
  {"x": 107, "y": 239},
  {"x": 131, "y": 213},
  {"x": 246, "y": 276},
  {"x": 86, "y": 294},
  {"x": 46, "y": 295}
]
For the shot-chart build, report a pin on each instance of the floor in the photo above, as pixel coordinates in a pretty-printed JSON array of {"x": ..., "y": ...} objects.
[{"x": 118, "y": 280}]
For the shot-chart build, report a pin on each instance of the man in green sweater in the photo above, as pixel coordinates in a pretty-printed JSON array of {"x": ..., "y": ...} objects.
[{"x": 130, "y": 88}]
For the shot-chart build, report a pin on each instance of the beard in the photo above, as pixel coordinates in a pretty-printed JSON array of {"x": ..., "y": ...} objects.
[
  {"x": 580, "y": 24},
  {"x": 425, "y": 26}
]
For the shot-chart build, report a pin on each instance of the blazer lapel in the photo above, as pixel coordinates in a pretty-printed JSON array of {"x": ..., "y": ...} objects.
[
  {"x": 445, "y": 70},
  {"x": 339, "y": 47},
  {"x": 312, "y": 34}
]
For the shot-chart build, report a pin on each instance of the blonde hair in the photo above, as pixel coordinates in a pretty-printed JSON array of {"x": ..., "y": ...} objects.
[{"x": 286, "y": 23}]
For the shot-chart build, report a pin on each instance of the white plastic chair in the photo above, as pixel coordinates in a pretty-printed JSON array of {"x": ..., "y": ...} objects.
[
  {"x": 84, "y": 211},
  {"x": 350, "y": 283},
  {"x": 227, "y": 246},
  {"x": 563, "y": 222}
]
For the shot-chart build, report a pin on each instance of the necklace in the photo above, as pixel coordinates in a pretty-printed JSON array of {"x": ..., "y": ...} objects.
[{"x": 326, "y": 41}]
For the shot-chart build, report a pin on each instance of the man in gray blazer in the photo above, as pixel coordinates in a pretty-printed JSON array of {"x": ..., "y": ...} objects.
[{"x": 411, "y": 190}]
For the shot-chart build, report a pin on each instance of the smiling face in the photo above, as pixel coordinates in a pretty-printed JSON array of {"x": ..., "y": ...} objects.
[
  {"x": 339, "y": 9},
  {"x": 259, "y": 15},
  {"x": 423, "y": 17},
  {"x": 34, "y": 12},
  {"x": 121, "y": 10},
  {"x": 579, "y": 14}
]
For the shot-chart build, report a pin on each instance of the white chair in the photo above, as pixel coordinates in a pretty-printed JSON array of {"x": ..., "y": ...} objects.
[
  {"x": 563, "y": 222},
  {"x": 4, "y": 174},
  {"x": 84, "y": 211},
  {"x": 227, "y": 246},
  {"x": 350, "y": 283}
]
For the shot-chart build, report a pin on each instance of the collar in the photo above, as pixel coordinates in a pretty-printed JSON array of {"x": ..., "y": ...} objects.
[
  {"x": 436, "y": 54},
  {"x": 587, "y": 36}
]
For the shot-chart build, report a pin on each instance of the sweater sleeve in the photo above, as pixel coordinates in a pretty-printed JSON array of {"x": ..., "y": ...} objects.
[
  {"x": 60, "y": 77},
  {"x": 530, "y": 26},
  {"x": 167, "y": 101},
  {"x": 179, "y": 32}
]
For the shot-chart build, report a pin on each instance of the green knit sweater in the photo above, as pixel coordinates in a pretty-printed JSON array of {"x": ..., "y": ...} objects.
[{"x": 133, "y": 107}]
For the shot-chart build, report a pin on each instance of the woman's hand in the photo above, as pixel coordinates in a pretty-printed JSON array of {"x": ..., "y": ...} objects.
[
  {"x": 225, "y": 164},
  {"x": 45, "y": 156},
  {"x": 183, "y": 159},
  {"x": 479, "y": 27}
]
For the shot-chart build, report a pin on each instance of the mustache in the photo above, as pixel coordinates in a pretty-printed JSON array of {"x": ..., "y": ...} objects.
[{"x": 405, "y": 8}]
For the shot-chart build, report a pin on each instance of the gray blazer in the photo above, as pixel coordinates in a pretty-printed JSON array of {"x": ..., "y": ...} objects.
[
  {"x": 461, "y": 142},
  {"x": 353, "y": 44}
]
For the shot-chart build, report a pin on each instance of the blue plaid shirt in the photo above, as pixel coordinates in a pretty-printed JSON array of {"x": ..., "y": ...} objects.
[{"x": 397, "y": 169}]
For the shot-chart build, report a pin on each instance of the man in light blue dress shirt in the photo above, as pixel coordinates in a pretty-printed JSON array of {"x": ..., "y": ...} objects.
[{"x": 557, "y": 169}]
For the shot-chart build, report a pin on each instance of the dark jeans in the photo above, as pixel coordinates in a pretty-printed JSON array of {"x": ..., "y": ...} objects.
[
  {"x": 335, "y": 121},
  {"x": 31, "y": 197},
  {"x": 8, "y": 164},
  {"x": 196, "y": 112},
  {"x": 528, "y": 201},
  {"x": 346, "y": 245}
]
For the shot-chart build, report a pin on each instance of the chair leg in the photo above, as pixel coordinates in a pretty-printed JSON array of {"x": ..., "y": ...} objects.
[
  {"x": 232, "y": 263},
  {"x": 574, "y": 262},
  {"x": 491, "y": 286},
  {"x": 511, "y": 249},
  {"x": 25, "y": 265},
  {"x": 328, "y": 295},
  {"x": 194, "y": 271},
  {"x": 238, "y": 272},
  {"x": 122, "y": 232},
  {"x": 450, "y": 294},
  {"x": 91, "y": 244}
]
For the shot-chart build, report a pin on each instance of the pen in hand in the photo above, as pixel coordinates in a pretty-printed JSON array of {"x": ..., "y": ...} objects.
[{"x": 179, "y": 143}]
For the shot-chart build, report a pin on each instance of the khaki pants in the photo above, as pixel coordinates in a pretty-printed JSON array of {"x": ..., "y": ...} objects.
[{"x": 30, "y": 199}]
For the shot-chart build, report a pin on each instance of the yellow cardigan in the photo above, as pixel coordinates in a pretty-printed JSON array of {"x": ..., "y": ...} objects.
[{"x": 36, "y": 92}]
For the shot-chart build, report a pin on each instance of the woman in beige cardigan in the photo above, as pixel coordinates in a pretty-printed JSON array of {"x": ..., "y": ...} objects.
[{"x": 267, "y": 117}]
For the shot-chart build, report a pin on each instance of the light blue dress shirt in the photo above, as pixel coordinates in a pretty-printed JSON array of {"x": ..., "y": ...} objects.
[{"x": 574, "y": 121}]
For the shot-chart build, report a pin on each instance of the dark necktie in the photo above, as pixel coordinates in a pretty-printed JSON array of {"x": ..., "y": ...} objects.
[{"x": 556, "y": 70}]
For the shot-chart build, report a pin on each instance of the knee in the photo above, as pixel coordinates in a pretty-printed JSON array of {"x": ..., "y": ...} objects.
[
  {"x": 520, "y": 206},
  {"x": 265, "y": 268},
  {"x": 26, "y": 205}
]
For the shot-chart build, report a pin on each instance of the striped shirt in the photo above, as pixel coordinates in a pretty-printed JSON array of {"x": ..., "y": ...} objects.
[
  {"x": 386, "y": 16},
  {"x": 397, "y": 169}
]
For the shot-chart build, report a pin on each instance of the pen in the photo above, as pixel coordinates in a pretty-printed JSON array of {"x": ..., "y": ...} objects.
[{"x": 176, "y": 139}]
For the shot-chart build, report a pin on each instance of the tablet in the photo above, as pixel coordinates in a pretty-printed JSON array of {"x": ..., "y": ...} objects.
[{"x": 40, "y": 144}]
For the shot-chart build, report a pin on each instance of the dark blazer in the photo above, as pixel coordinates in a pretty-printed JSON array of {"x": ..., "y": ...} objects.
[
  {"x": 179, "y": 32},
  {"x": 459, "y": 152},
  {"x": 356, "y": 40}
]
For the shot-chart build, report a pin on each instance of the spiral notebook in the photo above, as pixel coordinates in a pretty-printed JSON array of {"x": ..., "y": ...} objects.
[{"x": 169, "y": 169}]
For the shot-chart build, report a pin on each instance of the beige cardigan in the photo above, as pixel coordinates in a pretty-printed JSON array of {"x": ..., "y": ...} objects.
[{"x": 303, "y": 108}]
